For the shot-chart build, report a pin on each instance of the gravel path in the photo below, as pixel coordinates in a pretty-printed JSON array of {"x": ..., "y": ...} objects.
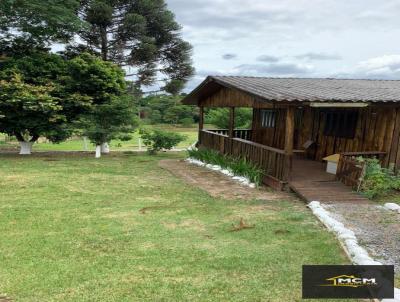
[{"x": 377, "y": 229}]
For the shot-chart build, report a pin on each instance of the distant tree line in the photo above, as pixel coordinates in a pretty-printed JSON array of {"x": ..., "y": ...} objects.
[{"x": 167, "y": 109}]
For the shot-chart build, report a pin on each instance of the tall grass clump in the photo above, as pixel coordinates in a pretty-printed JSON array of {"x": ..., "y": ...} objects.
[{"x": 238, "y": 166}]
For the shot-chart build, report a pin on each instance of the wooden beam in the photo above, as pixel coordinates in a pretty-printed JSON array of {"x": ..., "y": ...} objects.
[
  {"x": 201, "y": 124},
  {"x": 289, "y": 138},
  {"x": 201, "y": 118},
  {"x": 338, "y": 105},
  {"x": 231, "y": 121}
]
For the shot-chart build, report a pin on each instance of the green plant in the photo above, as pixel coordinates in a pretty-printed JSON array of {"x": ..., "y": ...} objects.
[
  {"x": 157, "y": 140},
  {"x": 238, "y": 166},
  {"x": 378, "y": 180}
]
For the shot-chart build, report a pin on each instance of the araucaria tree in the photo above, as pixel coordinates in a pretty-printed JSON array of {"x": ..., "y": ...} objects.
[
  {"x": 112, "y": 114},
  {"x": 141, "y": 34}
]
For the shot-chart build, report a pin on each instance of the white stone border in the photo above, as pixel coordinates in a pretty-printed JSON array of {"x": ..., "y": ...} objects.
[
  {"x": 348, "y": 240},
  {"x": 242, "y": 180},
  {"x": 392, "y": 207}
]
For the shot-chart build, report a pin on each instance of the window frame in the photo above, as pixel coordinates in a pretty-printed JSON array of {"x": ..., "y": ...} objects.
[
  {"x": 268, "y": 118},
  {"x": 341, "y": 123}
]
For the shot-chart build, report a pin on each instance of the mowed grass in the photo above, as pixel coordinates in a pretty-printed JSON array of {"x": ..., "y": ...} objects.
[{"x": 121, "y": 229}]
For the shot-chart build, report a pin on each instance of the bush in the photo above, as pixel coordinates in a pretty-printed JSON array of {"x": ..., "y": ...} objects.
[
  {"x": 186, "y": 122},
  {"x": 377, "y": 180},
  {"x": 157, "y": 140},
  {"x": 238, "y": 166}
]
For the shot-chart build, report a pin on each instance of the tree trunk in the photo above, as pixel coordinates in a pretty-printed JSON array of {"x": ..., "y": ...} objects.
[
  {"x": 26, "y": 148},
  {"x": 105, "y": 148},
  {"x": 85, "y": 144},
  {"x": 98, "y": 151},
  {"x": 104, "y": 43}
]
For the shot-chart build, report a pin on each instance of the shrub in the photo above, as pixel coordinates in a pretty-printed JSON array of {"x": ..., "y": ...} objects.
[
  {"x": 377, "y": 180},
  {"x": 186, "y": 122},
  {"x": 157, "y": 140},
  {"x": 238, "y": 166}
]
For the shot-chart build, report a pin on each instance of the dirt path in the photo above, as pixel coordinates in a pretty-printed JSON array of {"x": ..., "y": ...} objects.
[
  {"x": 377, "y": 229},
  {"x": 217, "y": 184}
]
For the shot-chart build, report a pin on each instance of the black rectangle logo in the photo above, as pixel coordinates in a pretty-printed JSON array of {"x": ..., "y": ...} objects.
[{"x": 348, "y": 281}]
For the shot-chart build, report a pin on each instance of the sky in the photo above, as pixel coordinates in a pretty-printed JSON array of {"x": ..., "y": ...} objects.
[{"x": 292, "y": 38}]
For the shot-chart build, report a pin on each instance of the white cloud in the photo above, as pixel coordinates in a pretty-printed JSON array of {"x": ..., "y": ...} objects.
[
  {"x": 317, "y": 38},
  {"x": 314, "y": 56},
  {"x": 281, "y": 69},
  {"x": 390, "y": 63}
]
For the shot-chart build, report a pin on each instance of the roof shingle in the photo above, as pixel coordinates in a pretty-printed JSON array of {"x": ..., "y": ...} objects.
[{"x": 306, "y": 89}]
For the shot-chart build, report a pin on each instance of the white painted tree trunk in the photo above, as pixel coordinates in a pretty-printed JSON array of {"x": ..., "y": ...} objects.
[
  {"x": 105, "y": 148},
  {"x": 98, "y": 151},
  {"x": 85, "y": 144},
  {"x": 26, "y": 148},
  {"x": 140, "y": 144}
]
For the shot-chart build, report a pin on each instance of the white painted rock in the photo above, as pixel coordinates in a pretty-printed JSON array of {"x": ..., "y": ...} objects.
[{"x": 392, "y": 206}]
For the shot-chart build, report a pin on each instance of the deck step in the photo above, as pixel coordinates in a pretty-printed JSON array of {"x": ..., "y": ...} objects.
[{"x": 326, "y": 192}]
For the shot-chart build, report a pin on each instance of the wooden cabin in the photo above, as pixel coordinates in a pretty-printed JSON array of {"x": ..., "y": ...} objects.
[{"x": 298, "y": 122}]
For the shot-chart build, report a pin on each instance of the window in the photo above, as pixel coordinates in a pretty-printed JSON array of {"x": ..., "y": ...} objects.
[
  {"x": 341, "y": 123},
  {"x": 268, "y": 118}
]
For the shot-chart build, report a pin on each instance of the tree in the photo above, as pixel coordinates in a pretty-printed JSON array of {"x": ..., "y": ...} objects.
[
  {"x": 168, "y": 109},
  {"x": 220, "y": 117},
  {"x": 34, "y": 101},
  {"x": 141, "y": 34},
  {"x": 112, "y": 114},
  {"x": 28, "y": 111},
  {"x": 42, "y": 21}
]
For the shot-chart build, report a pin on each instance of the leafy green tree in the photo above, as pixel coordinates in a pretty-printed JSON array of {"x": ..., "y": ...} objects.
[
  {"x": 34, "y": 101},
  {"x": 112, "y": 114},
  {"x": 177, "y": 113},
  {"x": 141, "y": 34},
  {"x": 39, "y": 20},
  {"x": 220, "y": 117}
]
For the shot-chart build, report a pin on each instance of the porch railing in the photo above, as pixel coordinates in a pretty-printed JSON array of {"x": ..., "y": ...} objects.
[
  {"x": 237, "y": 133},
  {"x": 271, "y": 160},
  {"x": 351, "y": 171}
]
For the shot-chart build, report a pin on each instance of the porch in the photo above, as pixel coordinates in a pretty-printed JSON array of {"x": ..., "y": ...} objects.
[{"x": 304, "y": 176}]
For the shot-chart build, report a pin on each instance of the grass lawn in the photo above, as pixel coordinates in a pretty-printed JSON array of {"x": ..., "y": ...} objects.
[
  {"x": 73, "y": 230},
  {"x": 76, "y": 144}
]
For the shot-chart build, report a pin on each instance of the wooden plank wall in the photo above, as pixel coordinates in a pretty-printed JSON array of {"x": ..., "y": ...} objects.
[
  {"x": 378, "y": 129},
  {"x": 229, "y": 97},
  {"x": 273, "y": 137}
]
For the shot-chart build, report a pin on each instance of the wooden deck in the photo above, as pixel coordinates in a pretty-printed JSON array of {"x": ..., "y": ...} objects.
[{"x": 310, "y": 181}]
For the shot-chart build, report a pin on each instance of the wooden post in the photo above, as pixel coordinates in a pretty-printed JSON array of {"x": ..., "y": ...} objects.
[
  {"x": 201, "y": 123},
  {"x": 289, "y": 138},
  {"x": 231, "y": 121},
  {"x": 201, "y": 119}
]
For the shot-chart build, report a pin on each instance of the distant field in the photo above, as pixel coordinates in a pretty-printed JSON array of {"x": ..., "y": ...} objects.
[{"x": 77, "y": 144}]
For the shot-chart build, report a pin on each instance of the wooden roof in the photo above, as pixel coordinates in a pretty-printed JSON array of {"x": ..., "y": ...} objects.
[{"x": 301, "y": 90}]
